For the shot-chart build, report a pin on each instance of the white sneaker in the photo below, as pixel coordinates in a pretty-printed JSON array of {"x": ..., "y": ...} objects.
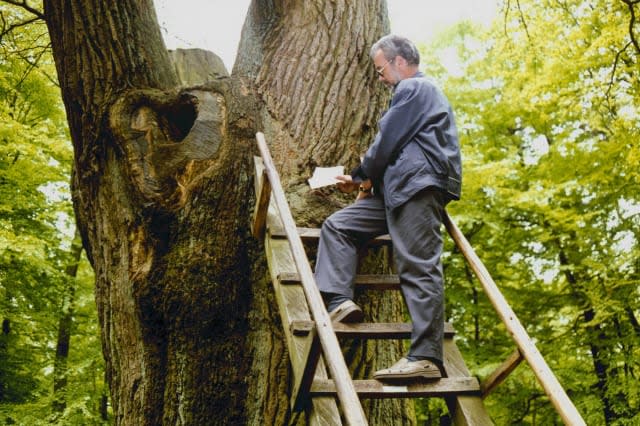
[
  {"x": 347, "y": 311},
  {"x": 405, "y": 369}
]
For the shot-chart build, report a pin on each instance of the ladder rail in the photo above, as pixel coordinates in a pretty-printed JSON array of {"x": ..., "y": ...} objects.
[
  {"x": 326, "y": 333},
  {"x": 564, "y": 406},
  {"x": 349, "y": 401}
]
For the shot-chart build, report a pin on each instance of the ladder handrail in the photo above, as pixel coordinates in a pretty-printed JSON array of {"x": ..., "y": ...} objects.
[
  {"x": 564, "y": 406},
  {"x": 351, "y": 407}
]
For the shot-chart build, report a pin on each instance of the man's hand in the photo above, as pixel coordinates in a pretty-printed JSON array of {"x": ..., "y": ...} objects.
[
  {"x": 364, "y": 189},
  {"x": 346, "y": 183}
]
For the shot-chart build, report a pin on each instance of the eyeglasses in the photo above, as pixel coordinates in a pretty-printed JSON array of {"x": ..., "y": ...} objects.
[{"x": 380, "y": 70}]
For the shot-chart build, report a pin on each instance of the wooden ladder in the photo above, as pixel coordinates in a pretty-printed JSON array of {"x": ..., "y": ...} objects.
[{"x": 319, "y": 370}]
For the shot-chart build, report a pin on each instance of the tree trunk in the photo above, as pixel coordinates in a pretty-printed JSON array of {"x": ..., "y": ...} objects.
[
  {"x": 63, "y": 342},
  {"x": 596, "y": 343},
  {"x": 163, "y": 192}
]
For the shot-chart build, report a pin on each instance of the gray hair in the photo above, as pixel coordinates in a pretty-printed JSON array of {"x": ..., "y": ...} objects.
[{"x": 394, "y": 45}]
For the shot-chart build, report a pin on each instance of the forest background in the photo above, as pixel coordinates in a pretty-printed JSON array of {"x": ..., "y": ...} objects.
[{"x": 547, "y": 103}]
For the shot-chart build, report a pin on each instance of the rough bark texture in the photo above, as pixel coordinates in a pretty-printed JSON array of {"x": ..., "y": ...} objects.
[
  {"x": 163, "y": 192},
  {"x": 312, "y": 71}
]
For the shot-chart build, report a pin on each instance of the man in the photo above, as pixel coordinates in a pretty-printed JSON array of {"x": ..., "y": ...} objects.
[{"x": 407, "y": 176}]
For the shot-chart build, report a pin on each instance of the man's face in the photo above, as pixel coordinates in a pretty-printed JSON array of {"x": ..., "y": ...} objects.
[{"x": 386, "y": 69}]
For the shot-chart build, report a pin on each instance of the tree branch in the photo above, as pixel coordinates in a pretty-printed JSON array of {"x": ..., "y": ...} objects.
[
  {"x": 25, "y": 5},
  {"x": 633, "y": 320},
  {"x": 563, "y": 5},
  {"x": 7, "y": 29},
  {"x": 507, "y": 7},
  {"x": 632, "y": 22},
  {"x": 613, "y": 71},
  {"x": 31, "y": 54},
  {"x": 523, "y": 20}
]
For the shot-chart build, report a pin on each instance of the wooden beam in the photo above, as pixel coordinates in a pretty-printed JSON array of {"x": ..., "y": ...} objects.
[
  {"x": 302, "y": 382},
  {"x": 367, "y": 330},
  {"x": 292, "y": 306},
  {"x": 501, "y": 373},
  {"x": 351, "y": 407},
  {"x": 465, "y": 410},
  {"x": 263, "y": 195},
  {"x": 545, "y": 376},
  {"x": 312, "y": 235},
  {"x": 364, "y": 281},
  {"x": 415, "y": 389}
]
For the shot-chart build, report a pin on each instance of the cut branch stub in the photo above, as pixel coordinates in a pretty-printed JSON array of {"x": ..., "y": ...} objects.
[{"x": 163, "y": 136}]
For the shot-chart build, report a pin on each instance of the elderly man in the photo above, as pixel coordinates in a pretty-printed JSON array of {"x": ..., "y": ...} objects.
[{"x": 407, "y": 176}]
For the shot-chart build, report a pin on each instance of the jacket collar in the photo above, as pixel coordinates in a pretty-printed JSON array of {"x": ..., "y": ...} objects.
[{"x": 418, "y": 74}]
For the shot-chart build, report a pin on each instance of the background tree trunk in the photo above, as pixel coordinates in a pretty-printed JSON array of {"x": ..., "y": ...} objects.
[
  {"x": 60, "y": 368},
  {"x": 163, "y": 193}
]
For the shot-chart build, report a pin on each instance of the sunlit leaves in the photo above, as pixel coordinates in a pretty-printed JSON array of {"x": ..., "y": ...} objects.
[
  {"x": 36, "y": 228},
  {"x": 548, "y": 110}
]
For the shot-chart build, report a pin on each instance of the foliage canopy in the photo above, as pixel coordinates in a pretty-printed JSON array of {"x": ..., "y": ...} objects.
[{"x": 547, "y": 105}]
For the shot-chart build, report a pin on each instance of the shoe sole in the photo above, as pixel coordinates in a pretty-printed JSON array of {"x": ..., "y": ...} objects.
[{"x": 351, "y": 314}]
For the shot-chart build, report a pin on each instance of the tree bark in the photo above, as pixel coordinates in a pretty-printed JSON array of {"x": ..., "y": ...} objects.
[
  {"x": 163, "y": 193},
  {"x": 597, "y": 347},
  {"x": 60, "y": 370}
]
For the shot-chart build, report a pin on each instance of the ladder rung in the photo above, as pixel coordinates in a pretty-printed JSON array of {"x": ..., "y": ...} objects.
[
  {"x": 501, "y": 373},
  {"x": 367, "y": 330},
  {"x": 312, "y": 235},
  {"x": 370, "y": 282},
  {"x": 377, "y": 389}
]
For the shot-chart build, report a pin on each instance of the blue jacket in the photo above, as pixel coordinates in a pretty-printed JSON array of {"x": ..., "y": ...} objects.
[{"x": 416, "y": 145}]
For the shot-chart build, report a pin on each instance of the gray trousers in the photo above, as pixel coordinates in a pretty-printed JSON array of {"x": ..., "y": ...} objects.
[{"x": 414, "y": 228}]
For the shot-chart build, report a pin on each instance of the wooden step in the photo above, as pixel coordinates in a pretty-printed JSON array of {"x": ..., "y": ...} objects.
[
  {"x": 312, "y": 350},
  {"x": 367, "y": 330},
  {"x": 415, "y": 389},
  {"x": 364, "y": 281},
  {"x": 313, "y": 234}
]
